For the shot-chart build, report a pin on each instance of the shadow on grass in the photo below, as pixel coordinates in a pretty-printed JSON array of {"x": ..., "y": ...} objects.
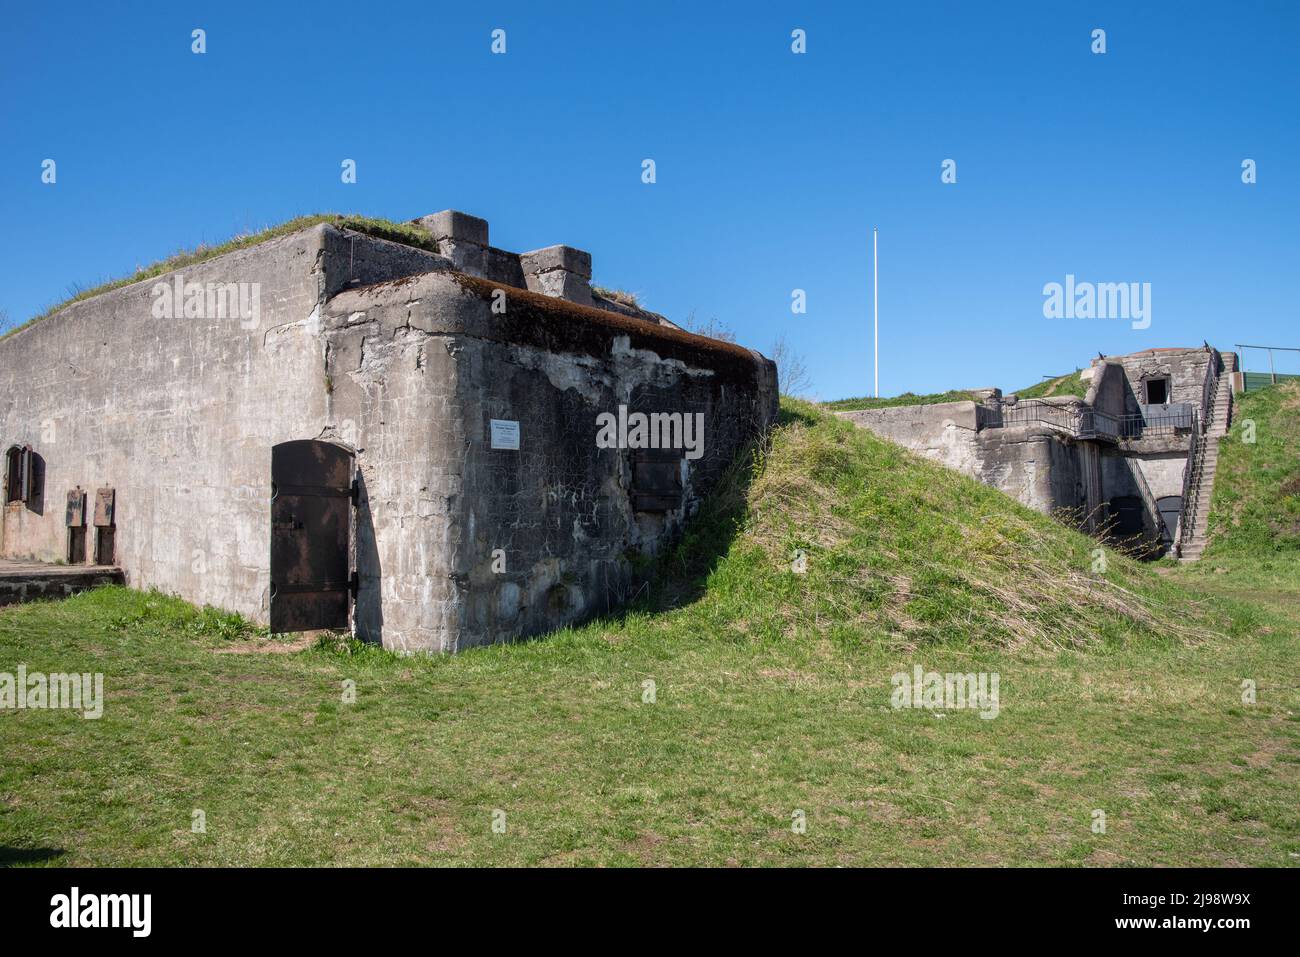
[
  {"x": 681, "y": 573},
  {"x": 14, "y": 856}
]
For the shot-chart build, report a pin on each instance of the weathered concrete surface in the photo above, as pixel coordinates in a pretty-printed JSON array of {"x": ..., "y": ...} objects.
[
  {"x": 383, "y": 349},
  {"x": 178, "y": 415},
  {"x": 1048, "y": 468},
  {"x": 498, "y": 543},
  {"x": 1032, "y": 463},
  {"x": 1109, "y": 390},
  {"x": 31, "y": 581},
  {"x": 1185, "y": 368}
]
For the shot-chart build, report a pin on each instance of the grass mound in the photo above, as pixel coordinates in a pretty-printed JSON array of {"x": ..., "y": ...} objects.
[
  {"x": 902, "y": 551},
  {"x": 1069, "y": 384}
]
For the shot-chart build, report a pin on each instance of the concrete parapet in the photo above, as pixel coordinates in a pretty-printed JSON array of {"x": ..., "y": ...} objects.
[{"x": 561, "y": 272}]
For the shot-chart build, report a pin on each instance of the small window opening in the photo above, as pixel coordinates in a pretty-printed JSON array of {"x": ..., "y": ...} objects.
[{"x": 1158, "y": 391}]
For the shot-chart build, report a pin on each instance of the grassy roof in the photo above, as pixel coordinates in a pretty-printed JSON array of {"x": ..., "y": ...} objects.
[
  {"x": 407, "y": 233},
  {"x": 907, "y": 398}
]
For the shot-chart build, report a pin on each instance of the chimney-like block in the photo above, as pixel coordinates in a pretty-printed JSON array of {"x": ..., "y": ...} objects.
[
  {"x": 561, "y": 272},
  {"x": 462, "y": 238}
]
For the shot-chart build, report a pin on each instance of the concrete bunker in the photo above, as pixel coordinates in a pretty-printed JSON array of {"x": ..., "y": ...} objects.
[
  {"x": 457, "y": 385},
  {"x": 1132, "y": 460}
]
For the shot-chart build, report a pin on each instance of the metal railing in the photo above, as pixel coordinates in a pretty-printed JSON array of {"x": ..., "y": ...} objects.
[
  {"x": 1273, "y": 374},
  {"x": 1210, "y": 391},
  {"x": 1171, "y": 421},
  {"x": 1149, "y": 502},
  {"x": 1196, "y": 455},
  {"x": 1085, "y": 423},
  {"x": 1191, "y": 482},
  {"x": 1032, "y": 411}
]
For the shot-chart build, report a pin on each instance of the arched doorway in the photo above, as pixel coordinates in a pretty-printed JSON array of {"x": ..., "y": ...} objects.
[{"x": 311, "y": 535}]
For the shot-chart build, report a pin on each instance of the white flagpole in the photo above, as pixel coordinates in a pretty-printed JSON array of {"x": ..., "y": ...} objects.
[{"x": 875, "y": 284}]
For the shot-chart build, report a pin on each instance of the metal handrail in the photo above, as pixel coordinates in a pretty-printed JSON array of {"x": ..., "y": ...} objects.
[
  {"x": 1210, "y": 390},
  {"x": 1144, "y": 490},
  {"x": 1093, "y": 423},
  {"x": 1187, "y": 516}
]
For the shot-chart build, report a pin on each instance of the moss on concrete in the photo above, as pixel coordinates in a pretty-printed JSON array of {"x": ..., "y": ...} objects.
[{"x": 907, "y": 398}]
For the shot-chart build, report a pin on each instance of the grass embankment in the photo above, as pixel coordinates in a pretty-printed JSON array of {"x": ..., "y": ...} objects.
[
  {"x": 1062, "y": 385},
  {"x": 771, "y": 696},
  {"x": 907, "y": 398},
  {"x": 1254, "y": 528},
  {"x": 1070, "y": 384},
  {"x": 406, "y": 233}
]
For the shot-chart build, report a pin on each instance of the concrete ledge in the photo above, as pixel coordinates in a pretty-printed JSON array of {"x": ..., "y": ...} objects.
[
  {"x": 535, "y": 319},
  {"x": 961, "y": 414},
  {"x": 31, "y": 581}
]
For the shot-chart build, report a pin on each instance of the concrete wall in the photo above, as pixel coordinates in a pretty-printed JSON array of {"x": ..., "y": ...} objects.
[
  {"x": 944, "y": 432},
  {"x": 1163, "y": 473},
  {"x": 1110, "y": 391},
  {"x": 1186, "y": 369},
  {"x": 499, "y": 542},
  {"x": 378, "y": 347},
  {"x": 1031, "y": 463},
  {"x": 178, "y": 415}
]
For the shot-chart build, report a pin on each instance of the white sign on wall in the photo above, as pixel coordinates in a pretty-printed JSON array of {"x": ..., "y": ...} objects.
[{"x": 505, "y": 434}]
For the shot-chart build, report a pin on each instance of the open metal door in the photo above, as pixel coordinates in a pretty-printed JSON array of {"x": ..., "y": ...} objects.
[{"x": 311, "y": 530}]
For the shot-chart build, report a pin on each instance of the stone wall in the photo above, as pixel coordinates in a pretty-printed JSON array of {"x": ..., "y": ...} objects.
[{"x": 1186, "y": 369}]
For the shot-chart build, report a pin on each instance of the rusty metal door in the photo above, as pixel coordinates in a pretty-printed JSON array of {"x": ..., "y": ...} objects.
[{"x": 311, "y": 522}]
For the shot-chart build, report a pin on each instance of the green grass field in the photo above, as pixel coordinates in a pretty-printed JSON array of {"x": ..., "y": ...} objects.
[{"x": 770, "y": 703}]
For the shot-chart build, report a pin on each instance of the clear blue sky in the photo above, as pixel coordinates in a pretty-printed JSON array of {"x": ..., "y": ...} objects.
[{"x": 772, "y": 167}]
